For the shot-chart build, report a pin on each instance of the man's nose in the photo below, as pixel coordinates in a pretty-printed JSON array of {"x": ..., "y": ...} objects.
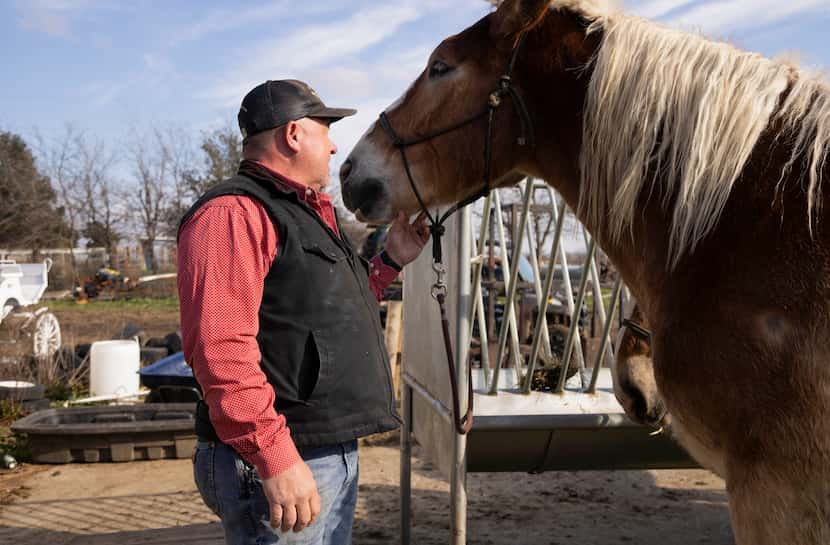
[{"x": 333, "y": 148}]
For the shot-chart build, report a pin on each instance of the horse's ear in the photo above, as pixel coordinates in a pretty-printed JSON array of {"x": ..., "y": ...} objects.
[{"x": 514, "y": 16}]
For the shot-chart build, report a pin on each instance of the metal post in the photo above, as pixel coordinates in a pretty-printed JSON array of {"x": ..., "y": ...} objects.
[
  {"x": 406, "y": 463},
  {"x": 598, "y": 308},
  {"x": 573, "y": 334},
  {"x": 606, "y": 336},
  {"x": 569, "y": 300},
  {"x": 543, "y": 301},
  {"x": 477, "y": 311},
  {"x": 533, "y": 240},
  {"x": 511, "y": 270},
  {"x": 458, "y": 472},
  {"x": 509, "y": 314}
]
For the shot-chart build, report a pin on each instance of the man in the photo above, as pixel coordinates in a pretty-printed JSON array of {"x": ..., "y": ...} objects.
[{"x": 280, "y": 324}]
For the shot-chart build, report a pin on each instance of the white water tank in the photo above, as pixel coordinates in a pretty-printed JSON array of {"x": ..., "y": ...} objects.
[{"x": 113, "y": 368}]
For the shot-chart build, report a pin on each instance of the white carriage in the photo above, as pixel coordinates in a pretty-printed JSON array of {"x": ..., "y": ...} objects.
[{"x": 21, "y": 286}]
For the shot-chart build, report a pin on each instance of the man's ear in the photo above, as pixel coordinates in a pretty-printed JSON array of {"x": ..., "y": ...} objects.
[
  {"x": 513, "y": 16},
  {"x": 290, "y": 135}
]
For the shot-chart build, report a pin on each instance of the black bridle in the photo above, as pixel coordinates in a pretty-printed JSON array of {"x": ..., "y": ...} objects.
[
  {"x": 436, "y": 228},
  {"x": 494, "y": 100},
  {"x": 637, "y": 330}
]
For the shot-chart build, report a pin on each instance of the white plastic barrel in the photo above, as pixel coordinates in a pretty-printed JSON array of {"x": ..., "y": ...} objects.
[{"x": 113, "y": 368}]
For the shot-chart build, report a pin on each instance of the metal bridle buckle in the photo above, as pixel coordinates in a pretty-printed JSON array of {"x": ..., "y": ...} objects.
[{"x": 439, "y": 288}]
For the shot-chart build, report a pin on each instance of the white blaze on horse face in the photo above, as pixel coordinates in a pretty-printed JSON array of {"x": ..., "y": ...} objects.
[
  {"x": 365, "y": 153},
  {"x": 373, "y": 160}
]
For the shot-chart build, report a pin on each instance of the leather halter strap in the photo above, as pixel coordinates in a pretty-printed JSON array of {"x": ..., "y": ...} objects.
[{"x": 637, "y": 329}]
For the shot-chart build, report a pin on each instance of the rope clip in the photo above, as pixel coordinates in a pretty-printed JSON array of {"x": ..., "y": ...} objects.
[{"x": 440, "y": 287}]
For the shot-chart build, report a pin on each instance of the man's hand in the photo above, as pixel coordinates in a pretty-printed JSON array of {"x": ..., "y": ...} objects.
[
  {"x": 405, "y": 241},
  {"x": 293, "y": 498}
]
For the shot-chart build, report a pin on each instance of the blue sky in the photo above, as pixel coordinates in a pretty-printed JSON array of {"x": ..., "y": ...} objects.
[{"x": 106, "y": 66}]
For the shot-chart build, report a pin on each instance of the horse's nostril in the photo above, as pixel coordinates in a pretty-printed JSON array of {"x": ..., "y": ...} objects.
[
  {"x": 638, "y": 402},
  {"x": 345, "y": 170},
  {"x": 363, "y": 195}
]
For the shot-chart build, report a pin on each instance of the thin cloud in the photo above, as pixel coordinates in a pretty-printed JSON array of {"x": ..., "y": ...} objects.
[
  {"x": 738, "y": 15},
  {"x": 46, "y": 16},
  {"x": 654, "y": 9},
  {"x": 224, "y": 20},
  {"x": 154, "y": 72},
  {"x": 318, "y": 45},
  {"x": 53, "y": 17}
]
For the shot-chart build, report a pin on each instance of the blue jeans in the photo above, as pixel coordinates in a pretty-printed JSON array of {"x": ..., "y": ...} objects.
[{"x": 232, "y": 489}]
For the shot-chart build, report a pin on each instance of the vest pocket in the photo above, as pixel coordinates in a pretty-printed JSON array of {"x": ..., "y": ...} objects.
[
  {"x": 325, "y": 369},
  {"x": 311, "y": 375},
  {"x": 294, "y": 368},
  {"x": 308, "y": 373}
]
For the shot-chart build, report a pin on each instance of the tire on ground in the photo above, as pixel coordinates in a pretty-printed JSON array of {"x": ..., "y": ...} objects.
[{"x": 13, "y": 390}]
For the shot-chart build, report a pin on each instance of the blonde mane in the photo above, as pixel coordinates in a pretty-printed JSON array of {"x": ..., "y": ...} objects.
[{"x": 672, "y": 108}]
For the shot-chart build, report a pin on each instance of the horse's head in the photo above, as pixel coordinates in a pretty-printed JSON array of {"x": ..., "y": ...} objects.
[
  {"x": 442, "y": 120},
  {"x": 634, "y": 384}
]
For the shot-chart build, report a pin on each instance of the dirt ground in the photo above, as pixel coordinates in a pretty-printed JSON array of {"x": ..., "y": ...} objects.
[{"x": 156, "y": 503}]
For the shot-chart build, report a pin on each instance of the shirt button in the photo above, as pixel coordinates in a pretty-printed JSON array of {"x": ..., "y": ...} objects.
[{"x": 377, "y": 273}]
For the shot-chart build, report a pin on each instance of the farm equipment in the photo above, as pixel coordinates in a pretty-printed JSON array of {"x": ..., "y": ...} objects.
[
  {"x": 106, "y": 280},
  {"x": 109, "y": 283},
  {"x": 22, "y": 285}
]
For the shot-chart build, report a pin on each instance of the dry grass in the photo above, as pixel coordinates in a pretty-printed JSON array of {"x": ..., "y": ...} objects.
[{"x": 101, "y": 320}]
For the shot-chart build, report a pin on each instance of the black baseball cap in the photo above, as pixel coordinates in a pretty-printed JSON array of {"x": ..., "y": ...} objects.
[{"x": 276, "y": 102}]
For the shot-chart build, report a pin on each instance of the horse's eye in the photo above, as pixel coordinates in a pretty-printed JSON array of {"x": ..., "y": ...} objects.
[{"x": 438, "y": 69}]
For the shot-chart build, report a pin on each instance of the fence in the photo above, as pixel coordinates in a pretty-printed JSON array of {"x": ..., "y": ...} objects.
[{"x": 70, "y": 265}]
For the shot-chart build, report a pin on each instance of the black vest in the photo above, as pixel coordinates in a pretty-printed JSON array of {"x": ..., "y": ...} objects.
[{"x": 319, "y": 329}]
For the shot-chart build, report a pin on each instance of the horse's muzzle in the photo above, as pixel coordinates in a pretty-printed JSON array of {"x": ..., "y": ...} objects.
[{"x": 366, "y": 197}]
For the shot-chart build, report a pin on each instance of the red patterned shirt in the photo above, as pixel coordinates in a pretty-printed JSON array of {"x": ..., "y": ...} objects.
[{"x": 225, "y": 252}]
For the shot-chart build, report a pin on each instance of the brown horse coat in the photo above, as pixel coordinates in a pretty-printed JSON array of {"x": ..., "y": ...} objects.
[{"x": 698, "y": 168}]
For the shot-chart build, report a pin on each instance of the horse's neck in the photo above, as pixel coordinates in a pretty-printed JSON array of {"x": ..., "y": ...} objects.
[{"x": 639, "y": 257}]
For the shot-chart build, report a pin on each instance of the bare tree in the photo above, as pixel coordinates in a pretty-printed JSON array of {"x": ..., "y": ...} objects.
[
  {"x": 160, "y": 164},
  {"x": 182, "y": 159},
  {"x": 222, "y": 149},
  {"x": 58, "y": 157},
  {"x": 151, "y": 166},
  {"x": 82, "y": 172},
  {"x": 194, "y": 172}
]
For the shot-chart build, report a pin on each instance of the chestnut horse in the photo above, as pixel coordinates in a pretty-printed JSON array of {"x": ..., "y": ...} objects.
[{"x": 698, "y": 168}]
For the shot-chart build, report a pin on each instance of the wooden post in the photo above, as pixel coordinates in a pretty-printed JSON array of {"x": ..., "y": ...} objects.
[{"x": 394, "y": 341}]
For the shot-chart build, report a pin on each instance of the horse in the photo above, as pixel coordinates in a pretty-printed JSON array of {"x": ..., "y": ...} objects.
[
  {"x": 698, "y": 169},
  {"x": 635, "y": 387},
  {"x": 633, "y": 372}
]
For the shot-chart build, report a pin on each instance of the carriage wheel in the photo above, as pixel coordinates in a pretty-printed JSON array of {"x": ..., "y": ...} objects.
[{"x": 47, "y": 336}]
